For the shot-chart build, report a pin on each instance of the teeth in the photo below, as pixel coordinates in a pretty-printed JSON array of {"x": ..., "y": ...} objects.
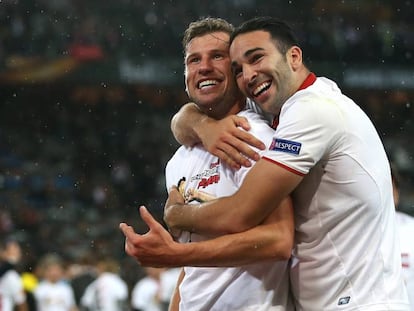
[
  {"x": 207, "y": 83},
  {"x": 260, "y": 88}
]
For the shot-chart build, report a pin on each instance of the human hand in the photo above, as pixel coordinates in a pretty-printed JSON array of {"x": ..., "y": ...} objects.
[
  {"x": 229, "y": 140},
  {"x": 156, "y": 248}
]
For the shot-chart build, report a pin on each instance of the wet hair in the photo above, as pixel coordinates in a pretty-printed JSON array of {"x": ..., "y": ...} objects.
[
  {"x": 281, "y": 33},
  {"x": 205, "y": 26}
]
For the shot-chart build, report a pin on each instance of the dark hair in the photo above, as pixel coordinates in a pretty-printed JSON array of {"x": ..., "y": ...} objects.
[
  {"x": 205, "y": 26},
  {"x": 282, "y": 34}
]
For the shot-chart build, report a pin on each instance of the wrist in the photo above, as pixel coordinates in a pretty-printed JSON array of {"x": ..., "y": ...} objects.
[
  {"x": 183, "y": 254},
  {"x": 171, "y": 217},
  {"x": 201, "y": 127},
  {"x": 178, "y": 219}
]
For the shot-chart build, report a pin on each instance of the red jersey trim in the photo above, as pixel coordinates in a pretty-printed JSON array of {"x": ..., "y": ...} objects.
[
  {"x": 284, "y": 166},
  {"x": 310, "y": 79}
]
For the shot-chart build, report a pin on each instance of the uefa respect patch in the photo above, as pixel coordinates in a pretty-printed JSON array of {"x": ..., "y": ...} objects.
[{"x": 284, "y": 145}]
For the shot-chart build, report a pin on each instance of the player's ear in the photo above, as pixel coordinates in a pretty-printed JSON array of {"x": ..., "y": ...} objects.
[{"x": 294, "y": 57}]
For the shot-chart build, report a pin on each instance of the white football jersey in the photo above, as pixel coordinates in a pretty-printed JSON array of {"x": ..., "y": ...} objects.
[
  {"x": 54, "y": 296},
  {"x": 347, "y": 247},
  {"x": 107, "y": 293},
  {"x": 11, "y": 291},
  {"x": 261, "y": 286}
]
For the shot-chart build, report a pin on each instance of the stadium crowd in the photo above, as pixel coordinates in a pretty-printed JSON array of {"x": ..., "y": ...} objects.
[{"x": 348, "y": 31}]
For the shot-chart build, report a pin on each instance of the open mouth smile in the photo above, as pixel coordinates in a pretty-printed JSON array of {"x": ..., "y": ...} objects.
[
  {"x": 207, "y": 83},
  {"x": 261, "y": 88}
]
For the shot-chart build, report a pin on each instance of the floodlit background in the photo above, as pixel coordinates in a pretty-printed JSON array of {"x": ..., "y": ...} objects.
[{"x": 87, "y": 90}]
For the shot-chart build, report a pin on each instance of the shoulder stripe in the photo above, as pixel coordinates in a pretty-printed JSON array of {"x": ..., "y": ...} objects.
[{"x": 284, "y": 166}]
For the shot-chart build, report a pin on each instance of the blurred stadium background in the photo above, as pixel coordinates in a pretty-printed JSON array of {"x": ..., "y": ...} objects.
[{"x": 87, "y": 90}]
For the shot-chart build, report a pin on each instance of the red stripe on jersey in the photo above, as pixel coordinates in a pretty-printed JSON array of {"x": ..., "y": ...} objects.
[
  {"x": 275, "y": 122},
  {"x": 310, "y": 79},
  {"x": 284, "y": 166}
]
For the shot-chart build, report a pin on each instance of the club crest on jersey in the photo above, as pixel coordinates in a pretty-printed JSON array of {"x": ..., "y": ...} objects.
[
  {"x": 285, "y": 146},
  {"x": 344, "y": 300}
]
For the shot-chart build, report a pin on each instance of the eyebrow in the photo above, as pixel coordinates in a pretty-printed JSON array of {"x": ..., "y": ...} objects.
[
  {"x": 251, "y": 51},
  {"x": 210, "y": 51},
  {"x": 246, "y": 54}
]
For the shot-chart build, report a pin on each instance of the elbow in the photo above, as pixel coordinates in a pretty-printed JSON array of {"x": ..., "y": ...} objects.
[
  {"x": 175, "y": 130},
  {"x": 286, "y": 251},
  {"x": 281, "y": 249}
]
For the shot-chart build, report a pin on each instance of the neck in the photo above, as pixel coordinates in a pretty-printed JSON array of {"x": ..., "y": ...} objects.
[{"x": 232, "y": 106}]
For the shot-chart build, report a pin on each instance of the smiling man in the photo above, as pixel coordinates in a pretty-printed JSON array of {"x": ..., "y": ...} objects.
[{"x": 244, "y": 271}]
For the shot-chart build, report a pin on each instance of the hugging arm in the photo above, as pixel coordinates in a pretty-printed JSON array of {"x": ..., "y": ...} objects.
[
  {"x": 271, "y": 240},
  {"x": 265, "y": 186},
  {"x": 227, "y": 138}
]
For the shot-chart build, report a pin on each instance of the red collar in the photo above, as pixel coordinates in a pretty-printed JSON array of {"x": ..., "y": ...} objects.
[{"x": 310, "y": 79}]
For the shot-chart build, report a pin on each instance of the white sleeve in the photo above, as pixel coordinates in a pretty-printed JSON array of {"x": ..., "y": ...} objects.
[{"x": 305, "y": 134}]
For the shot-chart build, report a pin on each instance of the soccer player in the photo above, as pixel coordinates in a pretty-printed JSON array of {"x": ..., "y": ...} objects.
[
  {"x": 53, "y": 292},
  {"x": 12, "y": 295},
  {"x": 259, "y": 278},
  {"x": 108, "y": 292}
]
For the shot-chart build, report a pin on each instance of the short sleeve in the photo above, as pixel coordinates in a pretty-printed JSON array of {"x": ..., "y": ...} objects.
[{"x": 307, "y": 130}]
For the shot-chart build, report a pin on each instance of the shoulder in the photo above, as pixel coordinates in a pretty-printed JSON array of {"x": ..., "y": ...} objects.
[
  {"x": 180, "y": 151},
  {"x": 255, "y": 119},
  {"x": 11, "y": 276},
  {"x": 404, "y": 218},
  {"x": 323, "y": 91},
  {"x": 179, "y": 154},
  {"x": 318, "y": 107},
  {"x": 184, "y": 153},
  {"x": 254, "y": 115}
]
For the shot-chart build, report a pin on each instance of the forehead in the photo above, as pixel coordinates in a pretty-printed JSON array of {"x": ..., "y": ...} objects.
[
  {"x": 210, "y": 41},
  {"x": 250, "y": 41}
]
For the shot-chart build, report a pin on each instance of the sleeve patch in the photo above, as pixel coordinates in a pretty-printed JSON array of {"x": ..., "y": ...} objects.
[{"x": 283, "y": 145}]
